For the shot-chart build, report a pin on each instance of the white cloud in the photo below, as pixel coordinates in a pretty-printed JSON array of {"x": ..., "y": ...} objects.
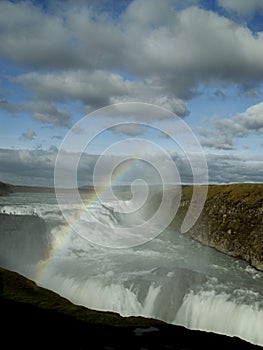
[
  {"x": 128, "y": 129},
  {"x": 220, "y": 133},
  {"x": 242, "y": 7},
  {"x": 251, "y": 121},
  {"x": 149, "y": 13},
  {"x": 148, "y": 95},
  {"x": 178, "y": 48},
  {"x": 247, "y": 123},
  {"x": 29, "y": 36},
  {"x": 155, "y": 52},
  {"x": 91, "y": 87},
  {"x": 96, "y": 89},
  {"x": 222, "y": 142}
]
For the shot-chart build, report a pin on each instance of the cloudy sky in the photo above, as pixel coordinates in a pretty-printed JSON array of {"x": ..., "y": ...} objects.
[{"x": 200, "y": 59}]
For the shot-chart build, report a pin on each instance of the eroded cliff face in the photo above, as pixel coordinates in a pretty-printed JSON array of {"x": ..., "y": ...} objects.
[
  {"x": 231, "y": 221},
  {"x": 5, "y": 189},
  {"x": 23, "y": 240}
]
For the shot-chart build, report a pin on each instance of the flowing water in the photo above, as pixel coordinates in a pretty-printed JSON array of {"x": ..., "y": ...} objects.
[{"x": 171, "y": 277}]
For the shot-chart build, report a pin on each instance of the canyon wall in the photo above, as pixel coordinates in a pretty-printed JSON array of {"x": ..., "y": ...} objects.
[{"x": 231, "y": 220}]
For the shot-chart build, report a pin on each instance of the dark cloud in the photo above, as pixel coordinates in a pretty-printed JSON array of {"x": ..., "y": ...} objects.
[
  {"x": 42, "y": 111},
  {"x": 252, "y": 93},
  {"x": 220, "y": 94},
  {"x": 27, "y": 167},
  {"x": 235, "y": 168},
  {"x": 53, "y": 116},
  {"x": 37, "y": 167},
  {"x": 28, "y": 135},
  {"x": 53, "y": 149}
]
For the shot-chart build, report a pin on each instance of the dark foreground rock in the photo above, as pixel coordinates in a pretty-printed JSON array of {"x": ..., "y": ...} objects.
[
  {"x": 36, "y": 318},
  {"x": 231, "y": 221}
]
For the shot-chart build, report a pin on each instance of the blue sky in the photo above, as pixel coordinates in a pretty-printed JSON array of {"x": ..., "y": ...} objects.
[{"x": 201, "y": 60}]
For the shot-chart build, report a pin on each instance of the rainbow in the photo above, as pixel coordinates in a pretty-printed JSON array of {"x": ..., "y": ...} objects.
[
  {"x": 59, "y": 244},
  {"x": 43, "y": 270}
]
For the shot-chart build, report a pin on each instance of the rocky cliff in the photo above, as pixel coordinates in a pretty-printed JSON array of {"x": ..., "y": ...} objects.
[
  {"x": 23, "y": 239},
  {"x": 5, "y": 189},
  {"x": 231, "y": 221}
]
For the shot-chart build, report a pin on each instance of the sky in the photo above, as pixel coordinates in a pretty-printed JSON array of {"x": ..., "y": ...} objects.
[{"x": 201, "y": 60}]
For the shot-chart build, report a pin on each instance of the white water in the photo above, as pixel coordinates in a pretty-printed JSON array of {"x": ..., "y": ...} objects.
[
  {"x": 205, "y": 311},
  {"x": 171, "y": 278}
]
